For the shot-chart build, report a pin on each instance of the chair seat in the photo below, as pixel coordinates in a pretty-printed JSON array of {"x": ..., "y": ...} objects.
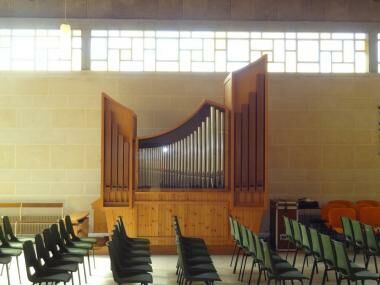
[
  {"x": 15, "y": 244},
  {"x": 291, "y": 275},
  {"x": 88, "y": 239},
  {"x": 10, "y": 251},
  {"x": 72, "y": 267},
  {"x": 366, "y": 275},
  {"x": 137, "y": 278},
  {"x": 62, "y": 277},
  {"x": 136, "y": 259},
  {"x": 210, "y": 276},
  {"x": 83, "y": 245},
  {"x": 201, "y": 268},
  {"x": 76, "y": 251},
  {"x": 5, "y": 259}
]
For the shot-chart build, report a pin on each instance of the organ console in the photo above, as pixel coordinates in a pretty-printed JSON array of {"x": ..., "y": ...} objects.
[{"x": 212, "y": 165}]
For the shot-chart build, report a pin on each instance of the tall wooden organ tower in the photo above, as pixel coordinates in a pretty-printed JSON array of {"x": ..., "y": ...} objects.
[{"x": 212, "y": 165}]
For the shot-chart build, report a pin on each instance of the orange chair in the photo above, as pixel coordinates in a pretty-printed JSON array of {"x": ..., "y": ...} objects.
[
  {"x": 368, "y": 203},
  {"x": 335, "y": 215},
  {"x": 334, "y": 204},
  {"x": 370, "y": 216}
]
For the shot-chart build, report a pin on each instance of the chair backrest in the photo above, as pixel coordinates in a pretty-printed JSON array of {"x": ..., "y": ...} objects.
[
  {"x": 371, "y": 240},
  {"x": 3, "y": 240},
  {"x": 347, "y": 229},
  {"x": 64, "y": 234},
  {"x": 259, "y": 249},
  {"x": 328, "y": 250},
  {"x": 232, "y": 231},
  {"x": 268, "y": 260},
  {"x": 296, "y": 231},
  {"x": 305, "y": 237},
  {"x": 57, "y": 238},
  {"x": 42, "y": 252},
  {"x": 238, "y": 237},
  {"x": 288, "y": 228},
  {"x": 370, "y": 216},
  {"x": 358, "y": 232},
  {"x": 316, "y": 246},
  {"x": 8, "y": 231},
  {"x": 368, "y": 203},
  {"x": 334, "y": 204},
  {"x": 335, "y": 215},
  {"x": 70, "y": 228},
  {"x": 30, "y": 260},
  {"x": 251, "y": 243},
  {"x": 342, "y": 261},
  {"x": 244, "y": 236}
]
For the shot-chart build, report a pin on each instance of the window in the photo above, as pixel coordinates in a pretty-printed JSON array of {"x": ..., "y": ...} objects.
[
  {"x": 40, "y": 50},
  {"x": 210, "y": 51}
]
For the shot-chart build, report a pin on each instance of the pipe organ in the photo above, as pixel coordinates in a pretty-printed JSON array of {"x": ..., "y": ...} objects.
[
  {"x": 212, "y": 165},
  {"x": 190, "y": 156}
]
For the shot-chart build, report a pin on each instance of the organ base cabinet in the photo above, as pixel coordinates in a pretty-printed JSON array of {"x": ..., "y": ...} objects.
[{"x": 212, "y": 165}]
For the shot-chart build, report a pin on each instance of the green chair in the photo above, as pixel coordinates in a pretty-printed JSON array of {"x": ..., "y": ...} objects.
[
  {"x": 75, "y": 238},
  {"x": 232, "y": 231},
  {"x": 38, "y": 274},
  {"x": 359, "y": 240},
  {"x": 316, "y": 249},
  {"x": 306, "y": 244},
  {"x": 373, "y": 248},
  {"x": 238, "y": 239},
  {"x": 6, "y": 249},
  {"x": 277, "y": 275},
  {"x": 297, "y": 238},
  {"x": 348, "y": 232},
  {"x": 5, "y": 260},
  {"x": 345, "y": 269},
  {"x": 252, "y": 252},
  {"x": 289, "y": 234},
  {"x": 245, "y": 249},
  {"x": 328, "y": 256}
]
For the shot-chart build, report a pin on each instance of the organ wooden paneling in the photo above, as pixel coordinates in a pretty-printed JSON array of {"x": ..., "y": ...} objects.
[{"x": 203, "y": 209}]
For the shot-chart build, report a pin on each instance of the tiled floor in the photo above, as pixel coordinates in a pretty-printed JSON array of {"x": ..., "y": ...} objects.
[{"x": 164, "y": 272}]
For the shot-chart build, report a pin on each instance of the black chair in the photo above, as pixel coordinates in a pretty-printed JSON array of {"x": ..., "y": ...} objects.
[
  {"x": 6, "y": 249},
  {"x": 13, "y": 241},
  {"x": 120, "y": 223},
  {"x": 54, "y": 265},
  {"x": 5, "y": 260},
  {"x": 59, "y": 253},
  {"x": 40, "y": 274}
]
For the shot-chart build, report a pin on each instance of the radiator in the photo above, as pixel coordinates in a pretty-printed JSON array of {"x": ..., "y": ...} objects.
[{"x": 32, "y": 225}]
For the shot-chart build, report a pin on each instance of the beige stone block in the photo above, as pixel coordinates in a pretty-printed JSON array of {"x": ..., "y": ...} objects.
[
  {"x": 338, "y": 157},
  {"x": 68, "y": 118},
  {"x": 92, "y": 189},
  {"x": 366, "y": 120},
  {"x": 47, "y": 175},
  {"x": 92, "y": 101},
  {"x": 92, "y": 156},
  {"x": 82, "y": 136},
  {"x": 8, "y": 118},
  {"x": 67, "y": 156},
  {"x": 32, "y": 156},
  {"x": 304, "y": 189},
  {"x": 33, "y": 118},
  {"x": 14, "y": 175},
  {"x": 279, "y": 157},
  {"x": 367, "y": 156},
  {"x": 7, "y": 156},
  {"x": 50, "y": 102},
  {"x": 338, "y": 188},
  {"x": 33, "y": 189},
  {"x": 67, "y": 189},
  {"x": 7, "y": 188},
  {"x": 91, "y": 175},
  {"x": 24, "y": 84},
  {"x": 307, "y": 157},
  {"x": 93, "y": 118},
  {"x": 15, "y": 101}
]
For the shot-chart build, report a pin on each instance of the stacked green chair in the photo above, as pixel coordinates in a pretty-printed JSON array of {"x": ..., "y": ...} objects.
[
  {"x": 316, "y": 250},
  {"x": 75, "y": 247},
  {"x": 348, "y": 232},
  {"x": 238, "y": 239},
  {"x": 51, "y": 264},
  {"x": 232, "y": 231},
  {"x": 39, "y": 274},
  {"x": 306, "y": 244},
  {"x": 373, "y": 247},
  {"x": 280, "y": 264},
  {"x": 297, "y": 238},
  {"x": 359, "y": 240},
  {"x": 252, "y": 252},
  {"x": 346, "y": 270},
  {"x": 289, "y": 234},
  {"x": 59, "y": 252},
  {"x": 7, "y": 250},
  {"x": 15, "y": 242},
  {"x": 194, "y": 261},
  {"x": 245, "y": 249},
  {"x": 75, "y": 238},
  {"x": 5, "y": 260},
  {"x": 279, "y": 275}
]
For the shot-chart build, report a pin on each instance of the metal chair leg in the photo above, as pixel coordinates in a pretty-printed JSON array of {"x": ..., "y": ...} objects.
[
  {"x": 295, "y": 257},
  {"x": 236, "y": 261},
  {"x": 233, "y": 254},
  {"x": 7, "y": 269},
  {"x": 18, "y": 269}
]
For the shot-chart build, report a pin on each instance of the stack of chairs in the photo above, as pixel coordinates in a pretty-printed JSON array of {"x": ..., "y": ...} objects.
[
  {"x": 130, "y": 257},
  {"x": 194, "y": 261},
  {"x": 270, "y": 264},
  {"x": 330, "y": 252}
]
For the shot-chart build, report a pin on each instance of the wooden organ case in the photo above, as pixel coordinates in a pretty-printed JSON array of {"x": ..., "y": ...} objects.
[{"x": 212, "y": 165}]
